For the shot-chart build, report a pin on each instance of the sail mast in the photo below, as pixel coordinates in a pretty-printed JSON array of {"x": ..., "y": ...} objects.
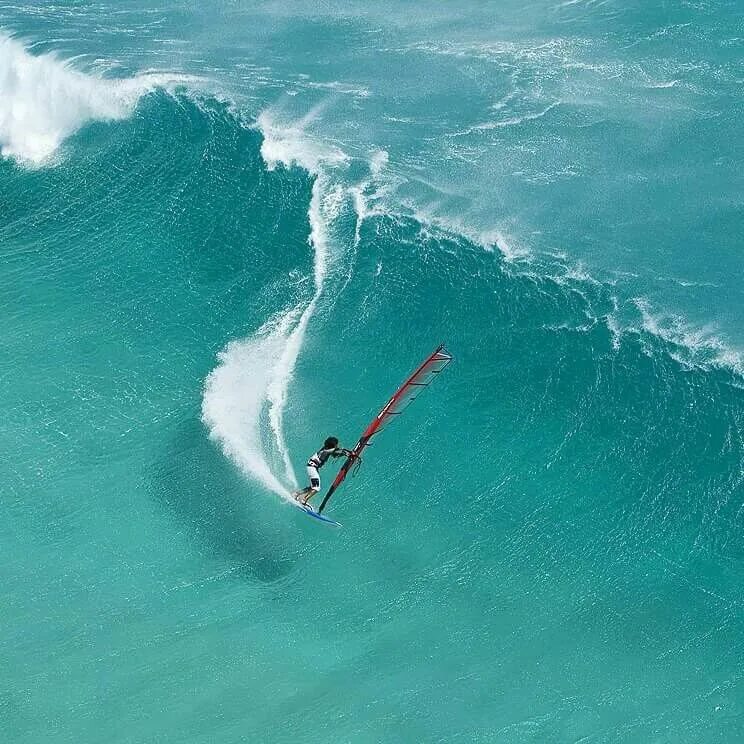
[{"x": 421, "y": 378}]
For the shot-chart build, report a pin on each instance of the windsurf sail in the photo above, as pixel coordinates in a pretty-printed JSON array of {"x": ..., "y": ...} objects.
[{"x": 402, "y": 398}]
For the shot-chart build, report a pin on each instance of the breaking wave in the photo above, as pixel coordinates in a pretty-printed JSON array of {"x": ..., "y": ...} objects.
[{"x": 46, "y": 100}]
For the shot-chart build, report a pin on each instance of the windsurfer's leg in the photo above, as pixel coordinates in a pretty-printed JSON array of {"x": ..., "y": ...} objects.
[{"x": 314, "y": 487}]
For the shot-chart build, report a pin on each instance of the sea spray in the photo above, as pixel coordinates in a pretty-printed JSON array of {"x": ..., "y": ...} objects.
[{"x": 235, "y": 397}]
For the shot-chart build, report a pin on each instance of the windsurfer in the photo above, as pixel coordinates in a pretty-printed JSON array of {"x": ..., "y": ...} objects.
[{"x": 329, "y": 449}]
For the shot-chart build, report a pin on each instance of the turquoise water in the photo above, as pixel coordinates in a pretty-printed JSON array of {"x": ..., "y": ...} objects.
[{"x": 227, "y": 233}]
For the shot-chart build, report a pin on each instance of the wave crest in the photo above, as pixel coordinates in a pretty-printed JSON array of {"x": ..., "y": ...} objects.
[{"x": 45, "y": 100}]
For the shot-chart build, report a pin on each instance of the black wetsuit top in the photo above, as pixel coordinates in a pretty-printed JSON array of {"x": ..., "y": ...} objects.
[{"x": 321, "y": 456}]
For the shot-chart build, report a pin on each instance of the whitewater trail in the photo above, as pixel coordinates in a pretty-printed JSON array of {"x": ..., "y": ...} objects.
[
  {"x": 246, "y": 394},
  {"x": 45, "y": 100}
]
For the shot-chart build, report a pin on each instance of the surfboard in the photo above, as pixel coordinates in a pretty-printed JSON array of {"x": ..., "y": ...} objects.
[{"x": 316, "y": 515}]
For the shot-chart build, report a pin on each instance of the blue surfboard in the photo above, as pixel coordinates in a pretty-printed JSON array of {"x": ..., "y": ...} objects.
[{"x": 316, "y": 515}]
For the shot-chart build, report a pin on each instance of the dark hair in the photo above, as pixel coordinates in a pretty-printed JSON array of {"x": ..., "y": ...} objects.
[{"x": 330, "y": 443}]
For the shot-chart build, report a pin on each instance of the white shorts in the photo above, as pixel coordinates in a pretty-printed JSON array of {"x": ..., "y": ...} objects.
[{"x": 314, "y": 475}]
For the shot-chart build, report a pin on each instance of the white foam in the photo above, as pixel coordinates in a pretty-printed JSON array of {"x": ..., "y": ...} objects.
[
  {"x": 235, "y": 399},
  {"x": 576, "y": 272},
  {"x": 512, "y": 121},
  {"x": 378, "y": 162},
  {"x": 283, "y": 369},
  {"x": 511, "y": 250},
  {"x": 339, "y": 87},
  {"x": 664, "y": 84},
  {"x": 704, "y": 347},
  {"x": 367, "y": 192},
  {"x": 245, "y": 396},
  {"x": 290, "y": 144},
  {"x": 516, "y": 120},
  {"x": 45, "y": 99},
  {"x": 359, "y": 199},
  {"x": 613, "y": 324},
  {"x": 508, "y": 248}
]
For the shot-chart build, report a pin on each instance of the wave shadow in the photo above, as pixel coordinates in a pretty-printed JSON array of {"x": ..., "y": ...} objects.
[{"x": 221, "y": 512}]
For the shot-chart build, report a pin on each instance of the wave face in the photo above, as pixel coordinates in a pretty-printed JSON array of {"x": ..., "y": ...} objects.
[{"x": 199, "y": 287}]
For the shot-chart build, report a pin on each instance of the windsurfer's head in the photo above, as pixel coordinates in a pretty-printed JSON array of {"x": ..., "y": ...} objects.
[{"x": 330, "y": 443}]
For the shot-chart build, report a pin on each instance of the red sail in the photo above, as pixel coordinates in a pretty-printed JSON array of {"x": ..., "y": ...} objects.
[{"x": 406, "y": 394}]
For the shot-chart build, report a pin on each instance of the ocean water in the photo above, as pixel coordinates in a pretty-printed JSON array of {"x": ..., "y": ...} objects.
[{"x": 227, "y": 232}]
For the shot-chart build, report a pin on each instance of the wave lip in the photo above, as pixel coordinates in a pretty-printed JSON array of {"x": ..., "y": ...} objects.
[{"x": 45, "y": 100}]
